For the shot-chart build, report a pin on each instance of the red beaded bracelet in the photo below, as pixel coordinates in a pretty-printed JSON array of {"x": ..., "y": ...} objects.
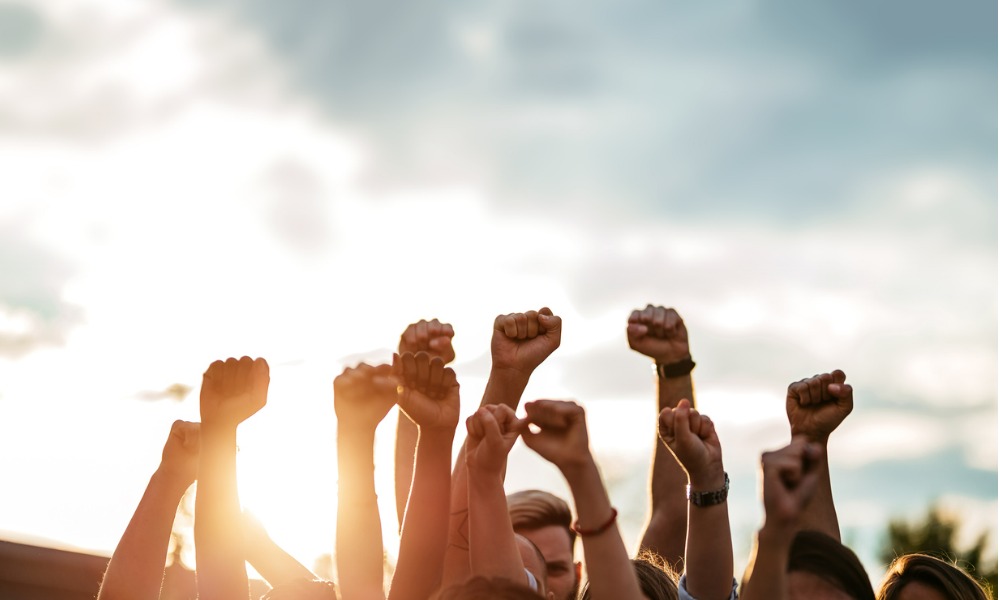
[{"x": 604, "y": 527}]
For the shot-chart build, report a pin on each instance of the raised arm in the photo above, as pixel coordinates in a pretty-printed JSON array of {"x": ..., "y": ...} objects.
[
  {"x": 135, "y": 571},
  {"x": 231, "y": 392},
  {"x": 708, "y": 561},
  {"x": 562, "y": 440},
  {"x": 816, "y": 407},
  {"x": 660, "y": 333},
  {"x": 434, "y": 338},
  {"x": 521, "y": 341},
  {"x": 790, "y": 479},
  {"x": 361, "y": 397},
  {"x": 276, "y": 566},
  {"x": 493, "y": 550},
  {"x": 429, "y": 396}
]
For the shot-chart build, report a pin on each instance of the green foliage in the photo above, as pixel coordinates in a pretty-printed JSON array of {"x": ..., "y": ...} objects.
[{"x": 935, "y": 535}]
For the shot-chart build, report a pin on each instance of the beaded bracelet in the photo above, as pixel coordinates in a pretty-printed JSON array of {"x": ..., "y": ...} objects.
[{"x": 597, "y": 530}]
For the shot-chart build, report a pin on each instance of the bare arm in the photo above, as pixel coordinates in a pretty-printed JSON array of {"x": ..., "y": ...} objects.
[
  {"x": 276, "y": 566},
  {"x": 562, "y": 440},
  {"x": 230, "y": 393},
  {"x": 493, "y": 549},
  {"x": 816, "y": 406},
  {"x": 135, "y": 571},
  {"x": 362, "y": 397},
  {"x": 434, "y": 338},
  {"x": 708, "y": 561},
  {"x": 430, "y": 397},
  {"x": 790, "y": 479},
  {"x": 521, "y": 341},
  {"x": 660, "y": 334}
]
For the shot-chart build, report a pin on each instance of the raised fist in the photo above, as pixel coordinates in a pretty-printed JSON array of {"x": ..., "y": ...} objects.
[
  {"x": 233, "y": 390},
  {"x": 432, "y": 337},
  {"x": 561, "y": 437},
  {"x": 659, "y": 333},
  {"x": 428, "y": 391},
  {"x": 521, "y": 341},
  {"x": 180, "y": 453},
  {"x": 691, "y": 437},
  {"x": 790, "y": 477},
  {"x": 817, "y": 405},
  {"x": 363, "y": 395},
  {"x": 493, "y": 429}
]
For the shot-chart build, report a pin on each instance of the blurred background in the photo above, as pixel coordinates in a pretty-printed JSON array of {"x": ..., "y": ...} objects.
[{"x": 812, "y": 185}]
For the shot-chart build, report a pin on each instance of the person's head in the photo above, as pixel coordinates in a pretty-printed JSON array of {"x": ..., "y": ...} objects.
[
  {"x": 481, "y": 588},
  {"x": 922, "y": 577},
  {"x": 533, "y": 561},
  {"x": 545, "y": 520},
  {"x": 656, "y": 579},
  {"x": 303, "y": 589},
  {"x": 821, "y": 568}
]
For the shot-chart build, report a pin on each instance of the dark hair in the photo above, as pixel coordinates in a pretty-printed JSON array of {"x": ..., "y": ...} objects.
[
  {"x": 656, "y": 579},
  {"x": 944, "y": 577},
  {"x": 481, "y": 588},
  {"x": 303, "y": 589},
  {"x": 819, "y": 554}
]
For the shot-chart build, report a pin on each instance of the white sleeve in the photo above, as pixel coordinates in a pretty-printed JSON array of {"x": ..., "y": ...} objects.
[{"x": 682, "y": 593}]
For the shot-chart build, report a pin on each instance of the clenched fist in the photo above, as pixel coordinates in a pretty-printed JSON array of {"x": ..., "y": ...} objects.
[
  {"x": 521, "y": 341},
  {"x": 232, "y": 391},
  {"x": 659, "y": 333},
  {"x": 432, "y": 337},
  {"x": 817, "y": 405},
  {"x": 363, "y": 395},
  {"x": 428, "y": 391}
]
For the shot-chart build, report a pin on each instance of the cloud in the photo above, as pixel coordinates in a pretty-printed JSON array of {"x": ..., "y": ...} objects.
[{"x": 33, "y": 312}]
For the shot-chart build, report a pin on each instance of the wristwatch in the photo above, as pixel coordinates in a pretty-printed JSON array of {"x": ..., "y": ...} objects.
[
  {"x": 675, "y": 369},
  {"x": 709, "y": 498}
]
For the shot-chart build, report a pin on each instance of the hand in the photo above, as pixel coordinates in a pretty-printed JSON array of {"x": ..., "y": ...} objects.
[
  {"x": 180, "y": 453},
  {"x": 233, "y": 391},
  {"x": 432, "y": 337},
  {"x": 521, "y": 341},
  {"x": 362, "y": 396},
  {"x": 428, "y": 391},
  {"x": 659, "y": 333},
  {"x": 493, "y": 429},
  {"x": 691, "y": 438},
  {"x": 790, "y": 477},
  {"x": 817, "y": 405},
  {"x": 562, "y": 432}
]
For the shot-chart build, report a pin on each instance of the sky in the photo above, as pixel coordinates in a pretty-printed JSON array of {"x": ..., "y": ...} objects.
[{"x": 812, "y": 185}]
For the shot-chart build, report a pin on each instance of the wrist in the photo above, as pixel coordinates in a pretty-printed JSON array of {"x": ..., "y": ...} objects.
[
  {"x": 776, "y": 534},
  {"x": 510, "y": 374},
  {"x": 708, "y": 479},
  {"x": 170, "y": 480},
  {"x": 577, "y": 469}
]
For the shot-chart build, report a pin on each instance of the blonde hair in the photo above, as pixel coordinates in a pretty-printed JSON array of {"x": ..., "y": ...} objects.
[{"x": 534, "y": 509}]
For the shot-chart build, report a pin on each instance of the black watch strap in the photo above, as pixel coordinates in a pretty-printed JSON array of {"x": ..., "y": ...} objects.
[{"x": 675, "y": 369}]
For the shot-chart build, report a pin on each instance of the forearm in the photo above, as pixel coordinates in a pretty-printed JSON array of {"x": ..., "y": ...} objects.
[
  {"x": 667, "y": 529},
  {"x": 406, "y": 445},
  {"x": 359, "y": 527},
  {"x": 709, "y": 552},
  {"x": 505, "y": 386},
  {"x": 609, "y": 569},
  {"x": 766, "y": 577},
  {"x": 425, "y": 526},
  {"x": 135, "y": 571},
  {"x": 217, "y": 531},
  {"x": 276, "y": 566},
  {"x": 820, "y": 514},
  {"x": 492, "y": 548}
]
